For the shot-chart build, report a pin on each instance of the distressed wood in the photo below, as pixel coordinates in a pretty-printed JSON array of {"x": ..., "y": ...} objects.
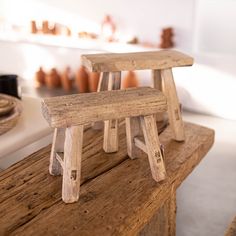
[
  {"x": 77, "y": 109},
  {"x": 174, "y": 113},
  {"x": 133, "y": 129},
  {"x": 110, "y": 143},
  {"x": 157, "y": 84},
  {"x": 120, "y": 197},
  {"x": 57, "y": 146},
  {"x": 109, "y": 62},
  {"x": 72, "y": 164},
  {"x": 153, "y": 148},
  {"x": 103, "y": 82},
  {"x": 231, "y": 230},
  {"x": 140, "y": 144}
]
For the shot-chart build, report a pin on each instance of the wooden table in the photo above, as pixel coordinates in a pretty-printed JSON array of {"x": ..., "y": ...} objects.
[{"x": 118, "y": 195}]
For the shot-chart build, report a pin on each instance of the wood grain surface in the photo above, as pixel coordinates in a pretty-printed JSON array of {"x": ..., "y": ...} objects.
[
  {"x": 118, "y": 195},
  {"x": 109, "y": 62},
  {"x": 77, "y": 109}
]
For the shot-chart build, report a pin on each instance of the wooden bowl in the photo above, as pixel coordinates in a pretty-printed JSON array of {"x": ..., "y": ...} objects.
[{"x": 9, "y": 120}]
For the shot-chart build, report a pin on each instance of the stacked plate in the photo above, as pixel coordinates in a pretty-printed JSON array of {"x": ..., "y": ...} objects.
[{"x": 10, "y": 111}]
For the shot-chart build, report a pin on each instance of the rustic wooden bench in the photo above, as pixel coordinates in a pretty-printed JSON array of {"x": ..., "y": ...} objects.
[
  {"x": 137, "y": 105},
  {"x": 231, "y": 230},
  {"x": 118, "y": 196},
  {"x": 160, "y": 62}
]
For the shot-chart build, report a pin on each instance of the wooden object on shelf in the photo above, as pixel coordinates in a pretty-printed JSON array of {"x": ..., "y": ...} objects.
[
  {"x": 231, "y": 230},
  {"x": 81, "y": 80},
  {"x": 45, "y": 27},
  {"x": 160, "y": 62},
  {"x": 130, "y": 80},
  {"x": 53, "y": 79},
  {"x": 40, "y": 77},
  {"x": 67, "y": 79},
  {"x": 74, "y": 111},
  {"x": 93, "y": 81},
  {"x": 9, "y": 120},
  {"x": 118, "y": 195}
]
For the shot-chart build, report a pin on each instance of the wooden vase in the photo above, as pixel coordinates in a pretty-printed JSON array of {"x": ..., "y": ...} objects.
[
  {"x": 82, "y": 80},
  {"x": 130, "y": 80},
  {"x": 93, "y": 81},
  {"x": 40, "y": 77},
  {"x": 66, "y": 79},
  {"x": 53, "y": 79}
]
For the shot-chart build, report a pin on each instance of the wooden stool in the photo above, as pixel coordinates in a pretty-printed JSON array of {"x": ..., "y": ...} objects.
[
  {"x": 69, "y": 114},
  {"x": 160, "y": 62}
]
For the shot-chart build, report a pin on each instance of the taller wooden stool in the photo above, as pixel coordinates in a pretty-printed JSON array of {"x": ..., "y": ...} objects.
[
  {"x": 71, "y": 113},
  {"x": 160, "y": 62}
]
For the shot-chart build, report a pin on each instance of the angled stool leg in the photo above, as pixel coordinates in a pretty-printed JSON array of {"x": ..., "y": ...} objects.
[
  {"x": 72, "y": 164},
  {"x": 102, "y": 86},
  {"x": 57, "y": 146},
  {"x": 174, "y": 114},
  {"x": 133, "y": 129},
  {"x": 153, "y": 147},
  {"x": 157, "y": 84},
  {"x": 110, "y": 142}
]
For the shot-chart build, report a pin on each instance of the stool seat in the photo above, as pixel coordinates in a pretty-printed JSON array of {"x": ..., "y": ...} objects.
[{"x": 81, "y": 109}]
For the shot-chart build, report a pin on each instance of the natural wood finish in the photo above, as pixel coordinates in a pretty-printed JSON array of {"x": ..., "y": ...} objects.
[
  {"x": 80, "y": 109},
  {"x": 9, "y": 120},
  {"x": 72, "y": 164},
  {"x": 133, "y": 129},
  {"x": 109, "y": 62},
  {"x": 231, "y": 230},
  {"x": 118, "y": 195},
  {"x": 102, "y": 86},
  {"x": 157, "y": 84},
  {"x": 103, "y": 82},
  {"x": 153, "y": 148},
  {"x": 110, "y": 143},
  {"x": 163, "y": 222},
  {"x": 57, "y": 146},
  {"x": 60, "y": 159},
  {"x": 140, "y": 144},
  {"x": 174, "y": 113}
]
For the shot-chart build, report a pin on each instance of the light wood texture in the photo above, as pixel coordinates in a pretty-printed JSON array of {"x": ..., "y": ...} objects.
[
  {"x": 133, "y": 129},
  {"x": 57, "y": 146},
  {"x": 174, "y": 113},
  {"x": 157, "y": 84},
  {"x": 118, "y": 195},
  {"x": 10, "y": 120},
  {"x": 103, "y": 82},
  {"x": 80, "y": 109},
  {"x": 153, "y": 148},
  {"x": 102, "y": 86},
  {"x": 72, "y": 164},
  {"x": 109, "y": 62},
  {"x": 231, "y": 230},
  {"x": 140, "y": 144},
  {"x": 110, "y": 143}
]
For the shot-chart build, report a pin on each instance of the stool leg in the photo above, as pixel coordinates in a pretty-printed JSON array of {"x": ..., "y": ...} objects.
[
  {"x": 174, "y": 114},
  {"x": 133, "y": 129},
  {"x": 110, "y": 142},
  {"x": 153, "y": 147},
  {"x": 102, "y": 86},
  {"x": 157, "y": 84},
  {"x": 57, "y": 146},
  {"x": 72, "y": 164}
]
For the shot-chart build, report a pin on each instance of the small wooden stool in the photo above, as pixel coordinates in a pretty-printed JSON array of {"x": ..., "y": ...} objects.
[
  {"x": 69, "y": 114},
  {"x": 160, "y": 62}
]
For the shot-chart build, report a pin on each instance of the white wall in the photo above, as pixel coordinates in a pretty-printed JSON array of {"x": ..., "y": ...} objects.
[
  {"x": 134, "y": 17},
  {"x": 215, "y": 26}
]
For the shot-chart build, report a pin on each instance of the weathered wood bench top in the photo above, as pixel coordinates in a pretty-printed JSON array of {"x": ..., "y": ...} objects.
[
  {"x": 109, "y": 62},
  {"x": 118, "y": 195},
  {"x": 79, "y": 109}
]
